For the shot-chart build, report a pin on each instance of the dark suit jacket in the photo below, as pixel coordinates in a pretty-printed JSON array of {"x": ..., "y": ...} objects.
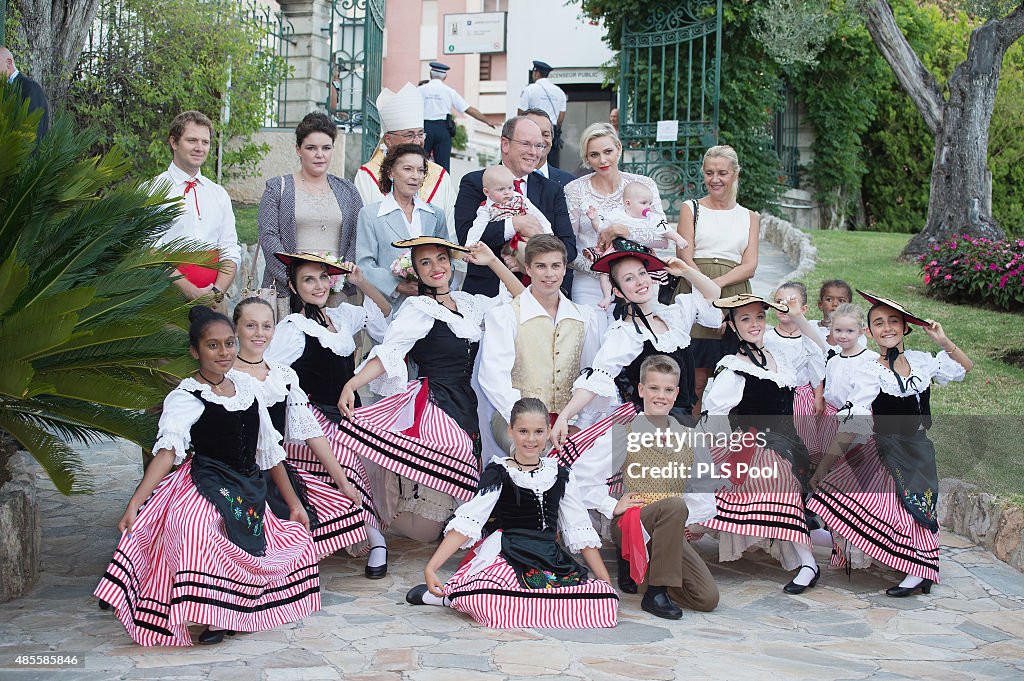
[
  {"x": 560, "y": 176},
  {"x": 33, "y": 92},
  {"x": 545, "y": 194}
]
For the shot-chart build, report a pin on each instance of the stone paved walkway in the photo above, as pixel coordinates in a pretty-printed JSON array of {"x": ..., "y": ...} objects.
[{"x": 970, "y": 627}]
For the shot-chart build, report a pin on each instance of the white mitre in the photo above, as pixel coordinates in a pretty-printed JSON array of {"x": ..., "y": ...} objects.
[{"x": 400, "y": 110}]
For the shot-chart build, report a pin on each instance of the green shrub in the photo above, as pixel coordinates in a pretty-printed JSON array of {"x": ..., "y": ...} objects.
[{"x": 973, "y": 270}]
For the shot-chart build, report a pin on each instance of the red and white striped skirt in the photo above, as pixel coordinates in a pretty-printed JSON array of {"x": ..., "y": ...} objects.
[
  {"x": 765, "y": 507},
  {"x": 409, "y": 435},
  {"x": 339, "y": 523},
  {"x": 177, "y": 566},
  {"x": 806, "y": 422},
  {"x": 302, "y": 457},
  {"x": 494, "y": 597},
  {"x": 858, "y": 502}
]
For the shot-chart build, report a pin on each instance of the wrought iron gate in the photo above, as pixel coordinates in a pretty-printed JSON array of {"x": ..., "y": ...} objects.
[
  {"x": 356, "y": 46},
  {"x": 670, "y": 66}
]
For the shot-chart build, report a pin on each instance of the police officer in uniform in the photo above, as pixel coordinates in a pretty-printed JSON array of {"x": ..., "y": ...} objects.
[
  {"x": 545, "y": 95},
  {"x": 438, "y": 102}
]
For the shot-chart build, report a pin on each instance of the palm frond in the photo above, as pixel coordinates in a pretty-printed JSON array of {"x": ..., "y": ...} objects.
[{"x": 62, "y": 464}]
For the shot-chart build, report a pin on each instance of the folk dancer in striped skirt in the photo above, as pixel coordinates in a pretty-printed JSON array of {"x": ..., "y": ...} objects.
[
  {"x": 425, "y": 436},
  {"x": 880, "y": 498},
  {"x": 336, "y": 516},
  {"x": 201, "y": 545},
  {"x": 804, "y": 351},
  {"x": 654, "y": 510},
  {"x": 519, "y": 576},
  {"x": 318, "y": 343},
  {"x": 749, "y": 408}
]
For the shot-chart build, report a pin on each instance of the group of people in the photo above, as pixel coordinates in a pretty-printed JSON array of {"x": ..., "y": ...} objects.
[{"x": 509, "y": 406}]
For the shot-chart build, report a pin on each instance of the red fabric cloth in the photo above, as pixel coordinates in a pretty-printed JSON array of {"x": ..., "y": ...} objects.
[
  {"x": 518, "y": 184},
  {"x": 190, "y": 186},
  {"x": 634, "y": 548},
  {"x": 421, "y": 401},
  {"x": 198, "y": 275}
]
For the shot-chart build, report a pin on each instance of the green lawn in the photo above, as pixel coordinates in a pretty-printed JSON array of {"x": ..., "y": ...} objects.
[
  {"x": 245, "y": 222},
  {"x": 983, "y": 441}
]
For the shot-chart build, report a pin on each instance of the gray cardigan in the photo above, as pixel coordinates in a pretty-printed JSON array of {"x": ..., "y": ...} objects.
[{"x": 277, "y": 225}]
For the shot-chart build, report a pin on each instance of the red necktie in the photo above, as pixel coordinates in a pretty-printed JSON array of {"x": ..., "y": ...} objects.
[
  {"x": 190, "y": 185},
  {"x": 518, "y": 184}
]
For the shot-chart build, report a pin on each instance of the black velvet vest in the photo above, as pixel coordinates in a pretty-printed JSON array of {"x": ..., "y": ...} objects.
[
  {"x": 519, "y": 508},
  {"x": 322, "y": 374},
  {"x": 765, "y": 404},
  {"x": 902, "y": 415},
  {"x": 629, "y": 378},
  {"x": 227, "y": 436}
]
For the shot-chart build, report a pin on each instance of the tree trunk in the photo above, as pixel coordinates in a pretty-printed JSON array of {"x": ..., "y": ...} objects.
[
  {"x": 960, "y": 198},
  {"x": 960, "y": 194},
  {"x": 55, "y": 32}
]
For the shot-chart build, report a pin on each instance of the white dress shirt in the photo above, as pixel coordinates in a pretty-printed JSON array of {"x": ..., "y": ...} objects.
[
  {"x": 207, "y": 218},
  {"x": 545, "y": 95},
  {"x": 439, "y": 100},
  {"x": 415, "y": 226}
]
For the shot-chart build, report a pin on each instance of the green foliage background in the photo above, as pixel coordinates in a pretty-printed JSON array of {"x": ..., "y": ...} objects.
[
  {"x": 162, "y": 57},
  {"x": 872, "y": 154}
]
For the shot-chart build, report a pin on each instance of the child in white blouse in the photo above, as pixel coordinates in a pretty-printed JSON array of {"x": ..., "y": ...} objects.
[{"x": 637, "y": 214}]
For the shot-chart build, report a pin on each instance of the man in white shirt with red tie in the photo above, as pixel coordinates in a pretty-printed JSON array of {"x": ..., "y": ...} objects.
[
  {"x": 522, "y": 146},
  {"x": 207, "y": 215}
]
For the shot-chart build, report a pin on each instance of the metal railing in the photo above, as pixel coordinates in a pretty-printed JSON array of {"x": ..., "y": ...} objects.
[
  {"x": 356, "y": 47},
  {"x": 785, "y": 139}
]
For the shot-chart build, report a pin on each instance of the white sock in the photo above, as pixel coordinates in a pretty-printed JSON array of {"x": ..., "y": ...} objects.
[
  {"x": 910, "y": 581},
  {"x": 821, "y": 537},
  {"x": 431, "y": 599},
  {"x": 379, "y": 555},
  {"x": 809, "y": 569}
]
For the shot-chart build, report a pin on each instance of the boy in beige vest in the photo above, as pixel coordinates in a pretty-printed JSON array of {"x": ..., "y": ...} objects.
[
  {"x": 648, "y": 523},
  {"x": 533, "y": 346}
]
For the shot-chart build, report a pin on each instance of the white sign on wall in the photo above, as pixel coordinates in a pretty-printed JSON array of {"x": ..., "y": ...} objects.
[{"x": 480, "y": 32}]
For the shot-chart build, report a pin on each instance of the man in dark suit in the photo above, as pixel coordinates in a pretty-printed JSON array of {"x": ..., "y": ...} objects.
[
  {"x": 30, "y": 90},
  {"x": 547, "y": 131},
  {"x": 522, "y": 147}
]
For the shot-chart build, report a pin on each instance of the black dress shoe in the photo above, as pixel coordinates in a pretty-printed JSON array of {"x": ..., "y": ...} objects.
[
  {"x": 414, "y": 596},
  {"x": 657, "y": 602},
  {"x": 626, "y": 583},
  {"x": 794, "y": 588},
  {"x": 210, "y": 637},
  {"x": 104, "y": 605},
  {"x": 380, "y": 571},
  {"x": 903, "y": 591}
]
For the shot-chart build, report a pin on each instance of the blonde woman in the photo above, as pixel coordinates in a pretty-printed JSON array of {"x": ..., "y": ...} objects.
[
  {"x": 601, "y": 150},
  {"x": 722, "y": 238}
]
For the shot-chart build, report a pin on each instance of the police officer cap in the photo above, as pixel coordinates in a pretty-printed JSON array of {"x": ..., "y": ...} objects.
[
  {"x": 543, "y": 67},
  {"x": 438, "y": 66}
]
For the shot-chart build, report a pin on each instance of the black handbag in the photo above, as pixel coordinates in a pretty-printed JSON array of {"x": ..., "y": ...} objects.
[
  {"x": 667, "y": 292},
  {"x": 450, "y": 122}
]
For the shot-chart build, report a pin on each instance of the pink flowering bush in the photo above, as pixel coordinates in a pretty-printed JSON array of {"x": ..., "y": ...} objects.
[{"x": 973, "y": 269}]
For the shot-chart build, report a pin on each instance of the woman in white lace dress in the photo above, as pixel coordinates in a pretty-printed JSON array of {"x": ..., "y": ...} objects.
[{"x": 601, "y": 150}]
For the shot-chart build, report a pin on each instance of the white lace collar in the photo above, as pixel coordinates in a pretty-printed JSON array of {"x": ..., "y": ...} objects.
[
  {"x": 784, "y": 377},
  {"x": 339, "y": 342},
  {"x": 674, "y": 338},
  {"x": 539, "y": 480},
  {"x": 275, "y": 385},
  {"x": 240, "y": 401},
  {"x": 465, "y": 324},
  {"x": 917, "y": 382}
]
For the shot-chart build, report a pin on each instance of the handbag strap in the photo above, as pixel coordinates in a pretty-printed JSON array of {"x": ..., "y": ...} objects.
[{"x": 696, "y": 212}]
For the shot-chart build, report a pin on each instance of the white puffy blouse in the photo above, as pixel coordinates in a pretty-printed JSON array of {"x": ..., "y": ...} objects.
[
  {"x": 282, "y": 383},
  {"x": 289, "y": 339},
  {"x": 182, "y": 409}
]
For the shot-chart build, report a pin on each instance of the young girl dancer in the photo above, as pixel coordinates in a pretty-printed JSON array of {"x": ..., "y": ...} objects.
[
  {"x": 831, "y": 295},
  {"x": 796, "y": 340},
  {"x": 520, "y": 576},
  {"x": 204, "y": 549},
  {"x": 643, "y": 328},
  {"x": 881, "y": 498},
  {"x": 426, "y": 435},
  {"x": 318, "y": 343},
  {"x": 752, "y": 395},
  {"x": 336, "y": 517}
]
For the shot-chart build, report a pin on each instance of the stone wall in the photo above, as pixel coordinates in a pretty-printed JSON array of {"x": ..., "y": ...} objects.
[
  {"x": 792, "y": 241},
  {"x": 19, "y": 529},
  {"x": 999, "y": 527}
]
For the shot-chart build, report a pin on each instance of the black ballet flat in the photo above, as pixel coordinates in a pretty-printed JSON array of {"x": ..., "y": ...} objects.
[
  {"x": 381, "y": 571},
  {"x": 657, "y": 602},
  {"x": 794, "y": 588},
  {"x": 104, "y": 605},
  {"x": 211, "y": 637},
  {"x": 903, "y": 591},
  {"x": 626, "y": 583},
  {"x": 414, "y": 596}
]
